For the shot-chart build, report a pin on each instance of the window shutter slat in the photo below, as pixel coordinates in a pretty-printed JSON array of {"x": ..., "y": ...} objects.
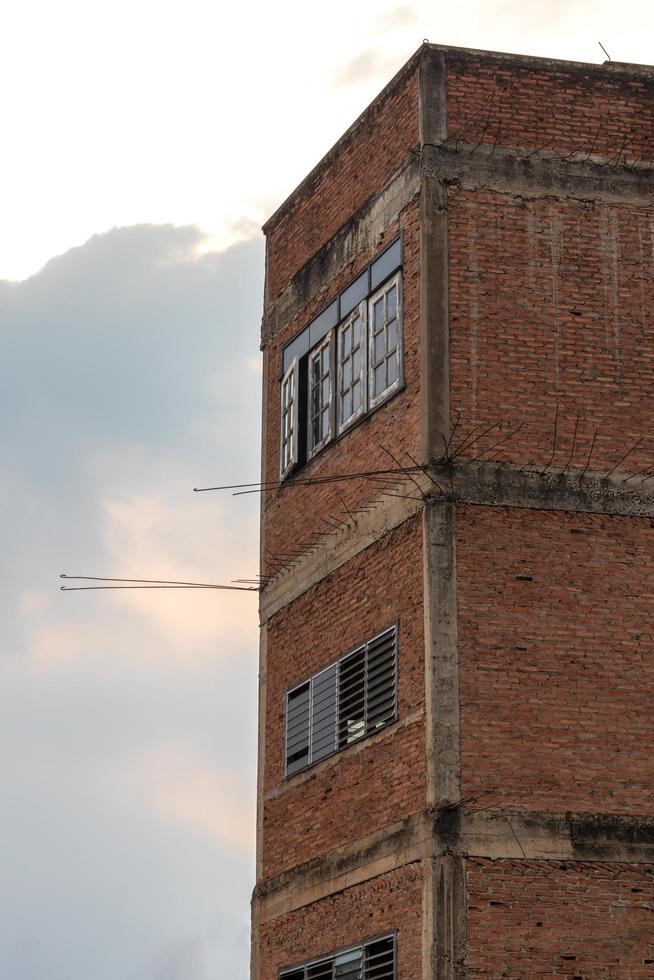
[
  {"x": 297, "y": 728},
  {"x": 379, "y": 959},
  {"x": 323, "y": 717}
]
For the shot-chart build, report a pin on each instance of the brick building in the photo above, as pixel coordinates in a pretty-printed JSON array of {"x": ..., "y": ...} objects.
[{"x": 456, "y": 775}]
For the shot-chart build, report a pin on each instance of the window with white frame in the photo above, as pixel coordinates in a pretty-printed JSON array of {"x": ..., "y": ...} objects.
[
  {"x": 374, "y": 960},
  {"x": 352, "y": 367},
  {"x": 320, "y": 396},
  {"x": 385, "y": 349},
  {"x": 289, "y": 419},
  {"x": 353, "y": 697},
  {"x": 345, "y": 363}
]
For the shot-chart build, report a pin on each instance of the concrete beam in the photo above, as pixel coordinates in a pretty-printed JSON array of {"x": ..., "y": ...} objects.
[
  {"x": 505, "y": 486},
  {"x": 509, "y": 170},
  {"x": 442, "y": 838},
  {"x": 505, "y": 834}
]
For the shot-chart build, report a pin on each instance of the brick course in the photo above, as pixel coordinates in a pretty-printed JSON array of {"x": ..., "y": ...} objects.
[
  {"x": 552, "y": 302},
  {"x": 555, "y": 654},
  {"x": 549, "y": 106},
  {"x": 584, "y": 921}
]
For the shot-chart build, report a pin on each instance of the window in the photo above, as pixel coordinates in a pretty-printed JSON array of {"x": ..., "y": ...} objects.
[
  {"x": 320, "y": 396},
  {"x": 289, "y": 419},
  {"x": 351, "y": 367},
  {"x": 345, "y": 363},
  {"x": 370, "y": 961},
  {"x": 350, "y": 698},
  {"x": 385, "y": 351}
]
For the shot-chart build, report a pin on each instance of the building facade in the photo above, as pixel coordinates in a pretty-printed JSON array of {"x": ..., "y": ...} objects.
[{"x": 456, "y": 774}]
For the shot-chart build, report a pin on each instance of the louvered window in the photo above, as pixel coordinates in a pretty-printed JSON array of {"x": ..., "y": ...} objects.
[
  {"x": 351, "y": 698},
  {"x": 374, "y": 960}
]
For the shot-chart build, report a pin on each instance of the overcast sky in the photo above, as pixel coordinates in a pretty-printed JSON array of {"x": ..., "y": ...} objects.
[{"x": 143, "y": 145}]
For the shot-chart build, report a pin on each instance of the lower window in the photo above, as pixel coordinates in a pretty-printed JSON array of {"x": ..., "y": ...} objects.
[
  {"x": 374, "y": 960},
  {"x": 348, "y": 699}
]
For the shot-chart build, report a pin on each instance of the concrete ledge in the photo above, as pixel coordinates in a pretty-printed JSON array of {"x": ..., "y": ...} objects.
[{"x": 511, "y": 170}]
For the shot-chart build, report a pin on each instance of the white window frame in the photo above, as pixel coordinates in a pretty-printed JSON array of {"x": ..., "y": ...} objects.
[
  {"x": 359, "y": 311},
  {"x": 328, "y": 344},
  {"x": 287, "y": 462},
  {"x": 378, "y": 398}
]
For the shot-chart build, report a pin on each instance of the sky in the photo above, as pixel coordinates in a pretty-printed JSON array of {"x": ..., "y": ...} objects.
[{"x": 143, "y": 146}]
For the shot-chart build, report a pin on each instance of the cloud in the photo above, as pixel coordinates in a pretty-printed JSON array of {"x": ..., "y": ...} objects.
[
  {"x": 128, "y": 815},
  {"x": 368, "y": 67},
  {"x": 397, "y": 18},
  {"x": 195, "y": 793}
]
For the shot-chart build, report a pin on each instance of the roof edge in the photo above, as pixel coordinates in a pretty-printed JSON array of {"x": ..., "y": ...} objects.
[
  {"x": 619, "y": 69},
  {"x": 405, "y": 71}
]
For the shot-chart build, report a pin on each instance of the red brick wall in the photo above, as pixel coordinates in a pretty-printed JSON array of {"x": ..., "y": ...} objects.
[
  {"x": 549, "y": 108},
  {"x": 381, "y": 779},
  {"x": 586, "y": 921},
  {"x": 556, "y": 672},
  {"x": 292, "y": 516},
  {"x": 359, "y": 168},
  {"x": 391, "y": 901},
  {"x": 552, "y": 302}
]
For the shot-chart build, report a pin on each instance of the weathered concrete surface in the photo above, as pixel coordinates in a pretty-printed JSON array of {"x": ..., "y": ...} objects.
[
  {"x": 510, "y": 170},
  {"x": 441, "y": 657}
]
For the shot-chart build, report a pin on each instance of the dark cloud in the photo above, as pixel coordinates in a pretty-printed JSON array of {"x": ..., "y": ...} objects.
[{"x": 129, "y": 375}]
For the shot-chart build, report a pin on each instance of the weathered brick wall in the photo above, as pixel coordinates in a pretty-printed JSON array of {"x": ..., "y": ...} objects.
[
  {"x": 357, "y": 168},
  {"x": 556, "y": 668},
  {"x": 557, "y": 108},
  {"x": 585, "y": 921},
  {"x": 291, "y": 517},
  {"x": 390, "y": 901},
  {"x": 379, "y": 780},
  {"x": 552, "y": 301}
]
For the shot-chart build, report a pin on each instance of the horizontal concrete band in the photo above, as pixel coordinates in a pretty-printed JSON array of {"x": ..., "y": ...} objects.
[
  {"x": 484, "y": 485},
  {"x": 495, "y": 834},
  {"x": 357, "y": 235},
  {"x": 512, "y": 170}
]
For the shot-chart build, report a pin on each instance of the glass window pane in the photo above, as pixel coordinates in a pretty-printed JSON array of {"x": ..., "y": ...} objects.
[
  {"x": 378, "y": 313},
  {"x": 356, "y": 363},
  {"x": 347, "y": 405},
  {"x": 325, "y": 391},
  {"x": 325, "y": 360},
  {"x": 356, "y": 396},
  {"x": 380, "y": 347},
  {"x": 391, "y": 334},
  {"x": 356, "y": 330},
  {"x": 391, "y": 302},
  {"x": 347, "y": 373},
  {"x": 392, "y": 368},
  {"x": 379, "y": 378},
  {"x": 347, "y": 340}
]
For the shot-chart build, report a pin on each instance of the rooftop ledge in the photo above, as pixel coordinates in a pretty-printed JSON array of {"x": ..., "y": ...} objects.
[{"x": 619, "y": 69}]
